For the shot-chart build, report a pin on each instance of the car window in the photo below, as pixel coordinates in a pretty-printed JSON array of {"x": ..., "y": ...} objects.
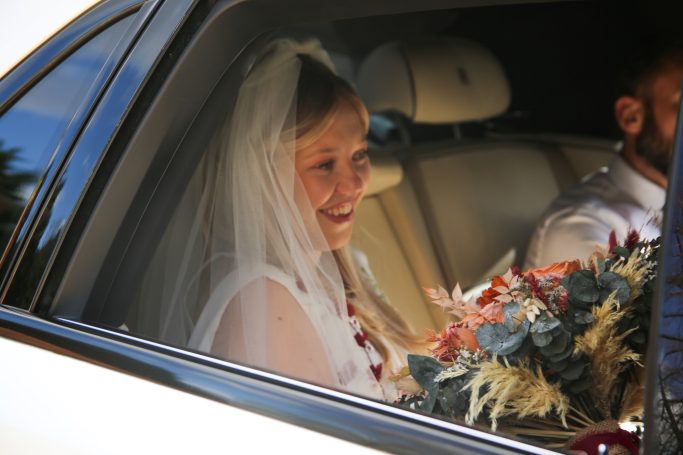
[
  {"x": 457, "y": 203},
  {"x": 32, "y": 128}
]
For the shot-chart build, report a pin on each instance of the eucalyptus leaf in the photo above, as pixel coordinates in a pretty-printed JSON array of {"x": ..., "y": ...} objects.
[
  {"x": 558, "y": 366},
  {"x": 600, "y": 265},
  {"x": 497, "y": 339},
  {"x": 558, "y": 345},
  {"x": 610, "y": 282},
  {"x": 583, "y": 317},
  {"x": 522, "y": 352},
  {"x": 544, "y": 323},
  {"x": 582, "y": 286},
  {"x": 510, "y": 310},
  {"x": 451, "y": 398},
  {"x": 542, "y": 339},
  {"x": 428, "y": 403},
  {"x": 562, "y": 355},
  {"x": 573, "y": 371},
  {"x": 424, "y": 369}
]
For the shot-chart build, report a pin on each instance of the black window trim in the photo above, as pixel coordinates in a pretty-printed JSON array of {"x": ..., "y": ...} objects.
[
  {"x": 25, "y": 227},
  {"x": 22, "y": 252},
  {"x": 19, "y": 79}
]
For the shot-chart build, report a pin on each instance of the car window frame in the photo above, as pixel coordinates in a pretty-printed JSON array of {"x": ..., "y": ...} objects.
[
  {"x": 664, "y": 305},
  {"x": 38, "y": 66},
  {"x": 453, "y": 437},
  {"x": 224, "y": 381}
]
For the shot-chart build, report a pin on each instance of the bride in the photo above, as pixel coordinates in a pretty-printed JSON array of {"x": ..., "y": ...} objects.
[{"x": 289, "y": 172}]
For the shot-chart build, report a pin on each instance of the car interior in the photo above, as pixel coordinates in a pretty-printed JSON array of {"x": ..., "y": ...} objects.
[
  {"x": 481, "y": 113},
  {"x": 462, "y": 164},
  {"x": 465, "y": 208},
  {"x": 480, "y": 116}
]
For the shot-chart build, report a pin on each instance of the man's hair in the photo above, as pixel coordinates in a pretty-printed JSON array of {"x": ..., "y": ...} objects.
[{"x": 642, "y": 67}]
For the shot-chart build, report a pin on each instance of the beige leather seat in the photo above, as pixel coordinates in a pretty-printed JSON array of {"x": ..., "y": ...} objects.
[
  {"x": 389, "y": 230},
  {"x": 464, "y": 210}
]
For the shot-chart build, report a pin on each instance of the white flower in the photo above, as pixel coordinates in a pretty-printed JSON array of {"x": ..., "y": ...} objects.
[
  {"x": 532, "y": 307},
  {"x": 455, "y": 371}
]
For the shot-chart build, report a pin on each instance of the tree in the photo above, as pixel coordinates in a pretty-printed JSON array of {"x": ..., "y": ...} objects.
[{"x": 11, "y": 183}]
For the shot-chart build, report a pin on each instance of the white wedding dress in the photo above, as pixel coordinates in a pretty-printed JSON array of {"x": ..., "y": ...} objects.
[{"x": 355, "y": 366}]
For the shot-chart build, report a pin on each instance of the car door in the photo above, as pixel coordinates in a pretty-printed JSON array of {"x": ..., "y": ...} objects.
[
  {"x": 87, "y": 237},
  {"x": 63, "y": 308},
  {"x": 47, "y": 101}
]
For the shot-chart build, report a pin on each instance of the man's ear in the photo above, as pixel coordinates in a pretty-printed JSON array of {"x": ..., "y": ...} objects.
[{"x": 630, "y": 114}]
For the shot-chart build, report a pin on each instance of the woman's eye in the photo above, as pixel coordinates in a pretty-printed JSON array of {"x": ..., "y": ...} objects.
[
  {"x": 360, "y": 156},
  {"x": 325, "y": 165}
]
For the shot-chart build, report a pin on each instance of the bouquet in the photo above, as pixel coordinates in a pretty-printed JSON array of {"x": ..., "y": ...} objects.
[{"x": 553, "y": 354}]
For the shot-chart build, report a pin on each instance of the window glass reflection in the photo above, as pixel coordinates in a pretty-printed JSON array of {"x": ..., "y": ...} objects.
[
  {"x": 33, "y": 127},
  {"x": 668, "y": 391}
]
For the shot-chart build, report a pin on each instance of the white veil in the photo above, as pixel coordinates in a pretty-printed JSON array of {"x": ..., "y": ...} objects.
[{"x": 252, "y": 224}]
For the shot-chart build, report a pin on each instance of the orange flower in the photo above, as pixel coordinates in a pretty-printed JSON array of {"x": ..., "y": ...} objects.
[
  {"x": 468, "y": 338},
  {"x": 487, "y": 297},
  {"x": 450, "y": 340},
  {"x": 499, "y": 286},
  {"x": 558, "y": 269},
  {"x": 491, "y": 313}
]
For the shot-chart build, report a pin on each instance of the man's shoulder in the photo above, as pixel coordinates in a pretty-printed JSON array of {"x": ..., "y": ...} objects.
[{"x": 596, "y": 191}]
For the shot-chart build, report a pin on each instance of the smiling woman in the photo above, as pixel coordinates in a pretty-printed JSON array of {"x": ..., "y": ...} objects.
[
  {"x": 279, "y": 205},
  {"x": 143, "y": 245},
  {"x": 335, "y": 170}
]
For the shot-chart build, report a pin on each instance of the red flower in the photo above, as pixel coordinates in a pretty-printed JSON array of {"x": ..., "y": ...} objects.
[
  {"x": 632, "y": 238},
  {"x": 489, "y": 295},
  {"x": 450, "y": 340},
  {"x": 612, "y": 242}
]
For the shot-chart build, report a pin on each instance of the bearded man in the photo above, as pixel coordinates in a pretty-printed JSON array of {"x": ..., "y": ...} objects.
[{"x": 631, "y": 193}]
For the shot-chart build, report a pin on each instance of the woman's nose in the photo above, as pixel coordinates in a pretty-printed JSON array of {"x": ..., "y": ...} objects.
[{"x": 350, "y": 181}]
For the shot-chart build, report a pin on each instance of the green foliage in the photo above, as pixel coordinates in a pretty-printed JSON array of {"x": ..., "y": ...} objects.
[
  {"x": 609, "y": 282},
  {"x": 621, "y": 252},
  {"x": 547, "y": 345},
  {"x": 445, "y": 398},
  {"x": 582, "y": 287},
  {"x": 424, "y": 369},
  {"x": 544, "y": 323},
  {"x": 497, "y": 338},
  {"x": 510, "y": 311}
]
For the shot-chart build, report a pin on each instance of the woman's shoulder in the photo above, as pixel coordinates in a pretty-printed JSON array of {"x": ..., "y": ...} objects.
[{"x": 277, "y": 287}]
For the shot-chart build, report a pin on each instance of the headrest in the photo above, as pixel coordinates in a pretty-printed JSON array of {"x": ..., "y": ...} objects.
[
  {"x": 444, "y": 80},
  {"x": 386, "y": 173}
]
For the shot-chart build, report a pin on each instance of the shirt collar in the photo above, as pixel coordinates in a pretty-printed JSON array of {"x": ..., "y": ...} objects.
[{"x": 646, "y": 193}]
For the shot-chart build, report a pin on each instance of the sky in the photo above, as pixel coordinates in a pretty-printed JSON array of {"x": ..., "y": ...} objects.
[{"x": 26, "y": 24}]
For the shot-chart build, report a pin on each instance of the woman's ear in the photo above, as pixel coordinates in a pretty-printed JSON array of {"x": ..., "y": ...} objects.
[{"x": 630, "y": 114}]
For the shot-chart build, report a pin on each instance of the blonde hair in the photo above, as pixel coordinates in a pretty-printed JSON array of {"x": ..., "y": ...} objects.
[{"x": 320, "y": 93}]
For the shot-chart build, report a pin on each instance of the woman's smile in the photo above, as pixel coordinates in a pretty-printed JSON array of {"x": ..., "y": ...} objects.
[
  {"x": 334, "y": 171},
  {"x": 341, "y": 213}
]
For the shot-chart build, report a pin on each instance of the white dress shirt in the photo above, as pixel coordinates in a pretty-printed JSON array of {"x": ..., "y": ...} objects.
[{"x": 583, "y": 217}]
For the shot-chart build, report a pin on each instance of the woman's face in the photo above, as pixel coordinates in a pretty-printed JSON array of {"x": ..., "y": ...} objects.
[{"x": 335, "y": 171}]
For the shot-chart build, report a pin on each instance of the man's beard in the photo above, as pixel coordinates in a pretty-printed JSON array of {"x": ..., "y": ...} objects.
[{"x": 652, "y": 145}]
